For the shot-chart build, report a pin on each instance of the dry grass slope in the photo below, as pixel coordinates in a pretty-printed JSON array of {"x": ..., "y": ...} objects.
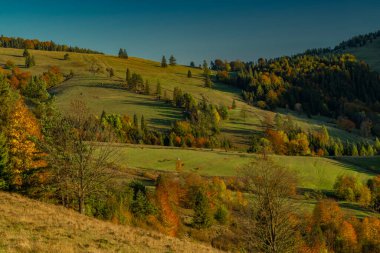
[{"x": 31, "y": 226}]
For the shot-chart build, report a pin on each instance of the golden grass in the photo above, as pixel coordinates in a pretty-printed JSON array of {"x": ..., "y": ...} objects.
[{"x": 31, "y": 226}]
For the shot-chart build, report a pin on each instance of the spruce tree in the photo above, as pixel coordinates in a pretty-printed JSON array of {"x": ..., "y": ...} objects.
[
  {"x": 208, "y": 83},
  {"x": 370, "y": 151},
  {"x": 163, "y": 62},
  {"x": 233, "y": 104},
  {"x": 120, "y": 52},
  {"x": 172, "y": 61},
  {"x": 135, "y": 121},
  {"x": 158, "y": 89},
  {"x": 189, "y": 75},
  {"x": 354, "y": 150},
  {"x": 128, "y": 75},
  {"x": 142, "y": 124},
  {"x": 147, "y": 87},
  {"x": 192, "y": 64},
  {"x": 25, "y": 53},
  {"x": 202, "y": 215},
  {"x": 377, "y": 144}
]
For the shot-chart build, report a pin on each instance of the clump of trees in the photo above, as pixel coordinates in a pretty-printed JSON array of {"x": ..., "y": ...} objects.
[
  {"x": 123, "y": 53},
  {"x": 284, "y": 137},
  {"x": 20, "y": 43}
]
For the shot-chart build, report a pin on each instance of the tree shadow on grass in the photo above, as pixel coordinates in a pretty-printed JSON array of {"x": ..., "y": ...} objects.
[{"x": 352, "y": 167}]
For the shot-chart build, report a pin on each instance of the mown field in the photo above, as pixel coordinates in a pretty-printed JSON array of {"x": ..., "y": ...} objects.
[{"x": 102, "y": 93}]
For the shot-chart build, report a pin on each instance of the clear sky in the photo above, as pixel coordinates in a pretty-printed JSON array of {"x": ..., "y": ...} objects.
[{"x": 192, "y": 30}]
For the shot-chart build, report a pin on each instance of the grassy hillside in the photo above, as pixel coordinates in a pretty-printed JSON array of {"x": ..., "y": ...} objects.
[
  {"x": 31, "y": 226},
  {"x": 370, "y": 53},
  {"x": 102, "y": 93}
]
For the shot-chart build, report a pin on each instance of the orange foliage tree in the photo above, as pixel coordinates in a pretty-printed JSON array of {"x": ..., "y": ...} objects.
[
  {"x": 168, "y": 193},
  {"x": 24, "y": 129}
]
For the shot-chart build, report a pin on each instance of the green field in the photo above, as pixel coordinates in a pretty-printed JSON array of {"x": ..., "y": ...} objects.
[
  {"x": 313, "y": 172},
  {"x": 103, "y": 93}
]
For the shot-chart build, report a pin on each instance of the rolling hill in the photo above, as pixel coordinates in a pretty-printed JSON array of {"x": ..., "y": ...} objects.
[
  {"x": 31, "y": 226},
  {"x": 103, "y": 93}
]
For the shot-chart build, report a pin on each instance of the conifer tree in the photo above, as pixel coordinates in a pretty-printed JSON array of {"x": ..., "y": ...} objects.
[
  {"x": 202, "y": 215},
  {"x": 142, "y": 124},
  {"x": 208, "y": 83},
  {"x": 135, "y": 121},
  {"x": 192, "y": 64},
  {"x": 370, "y": 151},
  {"x": 29, "y": 61},
  {"x": 233, "y": 104},
  {"x": 128, "y": 75},
  {"x": 163, "y": 62},
  {"x": 172, "y": 61},
  {"x": 25, "y": 53},
  {"x": 158, "y": 89},
  {"x": 354, "y": 150},
  {"x": 189, "y": 75},
  {"x": 4, "y": 158},
  {"x": 147, "y": 87}
]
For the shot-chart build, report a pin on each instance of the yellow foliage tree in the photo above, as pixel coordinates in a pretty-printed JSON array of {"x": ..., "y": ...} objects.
[{"x": 23, "y": 129}]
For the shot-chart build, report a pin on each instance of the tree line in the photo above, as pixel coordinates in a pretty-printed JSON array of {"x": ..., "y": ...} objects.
[{"x": 20, "y": 43}]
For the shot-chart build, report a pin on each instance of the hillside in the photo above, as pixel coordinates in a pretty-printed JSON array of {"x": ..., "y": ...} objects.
[
  {"x": 103, "y": 93},
  {"x": 31, "y": 226},
  {"x": 370, "y": 53}
]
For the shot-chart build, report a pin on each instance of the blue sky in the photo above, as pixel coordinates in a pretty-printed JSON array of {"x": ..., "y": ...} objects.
[{"x": 192, "y": 30}]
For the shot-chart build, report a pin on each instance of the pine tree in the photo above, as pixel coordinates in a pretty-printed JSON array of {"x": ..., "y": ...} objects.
[
  {"x": 377, "y": 144},
  {"x": 233, "y": 104},
  {"x": 120, "y": 52},
  {"x": 192, "y": 64},
  {"x": 158, "y": 89},
  {"x": 189, "y": 75},
  {"x": 363, "y": 150},
  {"x": 147, "y": 87},
  {"x": 354, "y": 150},
  {"x": 172, "y": 61},
  {"x": 142, "y": 124},
  {"x": 128, "y": 75},
  {"x": 208, "y": 83},
  {"x": 370, "y": 151},
  {"x": 125, "y": 54},
  {"x": 25, "y": 53},
  {"x": 163, "y": 62},
  {"x": 135, "y": 121},
  {"x": 202, "y": 215},
  {"x": 29, "y": 61}
]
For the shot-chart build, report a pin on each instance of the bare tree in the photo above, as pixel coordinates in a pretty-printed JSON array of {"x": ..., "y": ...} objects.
[
  {"x": 80, "y": 162},
  {"x": 271, "y": 227}
]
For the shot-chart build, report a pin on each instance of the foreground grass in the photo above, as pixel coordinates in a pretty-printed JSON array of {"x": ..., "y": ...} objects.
[{"x": 31, "y": 226}]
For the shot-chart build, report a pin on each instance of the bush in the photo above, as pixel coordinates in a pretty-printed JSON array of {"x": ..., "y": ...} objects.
[{"x": 221, "y": 215}]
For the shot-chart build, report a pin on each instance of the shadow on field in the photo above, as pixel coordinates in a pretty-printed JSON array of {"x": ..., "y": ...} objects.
[{"x": 352, "y": 167}]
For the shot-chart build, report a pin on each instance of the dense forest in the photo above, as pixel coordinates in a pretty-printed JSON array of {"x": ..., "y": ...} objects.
[
  {"x": 20, "y": 43},
  {"x": 333, "y": 85}
]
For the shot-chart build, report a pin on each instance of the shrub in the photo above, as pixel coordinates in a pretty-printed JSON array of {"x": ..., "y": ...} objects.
[{"x": 221, "y": 215}]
